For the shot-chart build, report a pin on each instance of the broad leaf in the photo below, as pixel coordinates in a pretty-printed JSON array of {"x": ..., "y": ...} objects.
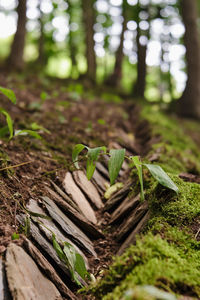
[
  {"x": 77, "y": 149},
  {"x": 9, "y": 94},
  {"x": 58, "y": 249},
  {"x": 28, "y": 132},
  {"x": 8, "y": 120},
  {"x": 70, "y": 255},
  {"x": 115, "y": 163},
  {"x": 93, "y": 155},
  {"x": 80, "y": 266},
  {"x": 159, "y": 174},
  {"x": 138, "y": 165}
]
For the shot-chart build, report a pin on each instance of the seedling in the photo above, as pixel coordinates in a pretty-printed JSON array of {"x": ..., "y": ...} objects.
[
  {"x": 73, "y": 260},
  {"x": 116, "y": 159}
]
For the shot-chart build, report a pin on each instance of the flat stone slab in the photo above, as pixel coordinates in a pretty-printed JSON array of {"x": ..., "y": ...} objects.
[
  {"x": 132, "y": 220},
  {"x": 25, "y": 279},
  {"x": 72, "y": 231},
  {"x": 124, "y": 208},
  {"x": 88, "y": 188},
  {"x": 132, "y": 237},
  {"x": 47, "y": 269},
  {"x": 100, "y": 181},
  {"x": 72, "y": 190},
  {"x": 48, "y": 227},
  {"x": 79, "y": 219},
  {"x": 4, "y": 291}
]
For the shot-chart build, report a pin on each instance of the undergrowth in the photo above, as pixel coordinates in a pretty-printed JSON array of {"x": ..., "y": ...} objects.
[{"x": 167, "y": 254}]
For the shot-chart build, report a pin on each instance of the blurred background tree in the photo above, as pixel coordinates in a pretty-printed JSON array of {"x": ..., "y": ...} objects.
[{"x": 147, "y": 48}]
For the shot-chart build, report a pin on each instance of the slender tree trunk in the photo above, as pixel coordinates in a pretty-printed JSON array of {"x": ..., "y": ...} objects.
[
  {"x": 72, "y": 46},
  {"x": 89, "y": 19},
  {"x": 189, "y": 104},
  {"x": 41, "y": 57},
  {"x": 140, "y": 84},
  {"x": 15, "y": 59},
  {"x": 116, "y": 76}
]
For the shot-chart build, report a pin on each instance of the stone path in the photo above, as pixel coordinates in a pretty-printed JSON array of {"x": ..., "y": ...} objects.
[{"x": 33, "y": 270}]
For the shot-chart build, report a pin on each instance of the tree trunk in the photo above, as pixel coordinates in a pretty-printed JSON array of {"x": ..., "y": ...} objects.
[
  {"x": 116, "y": 76},
  {"x": 189, "y": 104},
  {"x": 15, "y": 60},
  {"x": 89, "y": 19},
  {"x": 140, "y": 84},
  {"x": 72, "y": 46},
  {"x": 41, "y": 58}
]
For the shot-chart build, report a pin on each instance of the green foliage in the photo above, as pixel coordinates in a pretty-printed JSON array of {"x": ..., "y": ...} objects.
[
  {"x": 8, "y": 120},
  {"x": 160, "y": 175},
  {"x": 9, "y": 94},
  {"x": 116, "y": 160},
  {"x": 28, "y": 132},
  {"x": 115, "y": 163},
  {"x": 15, "y": 236},
  {"x": 73, "y": 260}
]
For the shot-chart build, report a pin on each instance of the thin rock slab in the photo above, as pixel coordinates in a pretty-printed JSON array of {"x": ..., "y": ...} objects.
[
  {"x": 65, "y": 197},
  {"x": 4, "y": 291},
  {"x": 48, "y": 227},
  {"x": 124, "y": 209},
  {"x": 103, "y": 170},
  {"x": 72, "y": 231},
  {"x": 88, "y": 188},
  {"x": 48, "y": 249},
  {"x": 132, "y": 220},
  {"x": 132, "y": 237},
  {"x": 100, "y": 181},
  {"x": 85, "y": 225},
  {"x": 25, "y": 279},
  {"x": 117, "y": 198},
  {"x": 72, "y": 189},
  {"x": 47, "y": 269}
]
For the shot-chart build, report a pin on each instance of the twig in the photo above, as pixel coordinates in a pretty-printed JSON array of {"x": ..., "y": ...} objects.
[{"x": 18, "y": 165}]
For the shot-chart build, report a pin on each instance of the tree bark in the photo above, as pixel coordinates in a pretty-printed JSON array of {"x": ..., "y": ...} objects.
[
  {"x": 140, "y": 84},
  {"x": 15, "y": 60},
  {"x": 116, "y": 76},
  {"x": 189, "y": 103},
  {"x": 88, "y": 20}
]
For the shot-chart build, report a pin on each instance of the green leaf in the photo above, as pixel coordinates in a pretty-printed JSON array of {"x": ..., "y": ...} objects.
[
  {"x": 138, "y": 165},
  {"x": 36, "y": 126},
  {"x": 115, "y": 163},
  {"x": 58, "y": 249},
  {"x": 69, "y": 252},
  {"x": 15, "y": 236},
  {"x": 28, "y": 132},
  {"x": 9, "y": 94},
  {"x": 8, "y": 120},
  {"x": 80, "y": 267},
  {"x": 159, "y": 174},
  {"x": 93, "y": 155},
  {"x": 76, "y": 151}
]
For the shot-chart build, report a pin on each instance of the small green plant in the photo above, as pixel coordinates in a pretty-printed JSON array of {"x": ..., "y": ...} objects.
[
  {"x": 73, "y": 260},
  {"x": 11, "y": 96},
  {"x": 116, "y": 159},
  {"x": 9, "y": 128}
]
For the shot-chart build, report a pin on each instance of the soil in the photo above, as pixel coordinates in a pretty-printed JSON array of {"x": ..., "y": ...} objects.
[{"x": 27, "y": 164}]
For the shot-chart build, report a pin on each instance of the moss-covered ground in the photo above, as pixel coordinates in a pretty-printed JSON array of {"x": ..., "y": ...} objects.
[{"x": 167, "y": 253}]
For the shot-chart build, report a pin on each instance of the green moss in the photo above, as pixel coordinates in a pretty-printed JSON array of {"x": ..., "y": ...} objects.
[
  {"x": 177, "y": 151},
  {"x": 154, "y": 261}
]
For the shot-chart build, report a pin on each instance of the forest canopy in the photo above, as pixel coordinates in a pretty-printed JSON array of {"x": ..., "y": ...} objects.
[{"x": 149, "y": 47}]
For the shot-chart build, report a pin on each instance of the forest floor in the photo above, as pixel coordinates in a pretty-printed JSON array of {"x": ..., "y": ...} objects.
[{"x": 65, "y": 114}]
